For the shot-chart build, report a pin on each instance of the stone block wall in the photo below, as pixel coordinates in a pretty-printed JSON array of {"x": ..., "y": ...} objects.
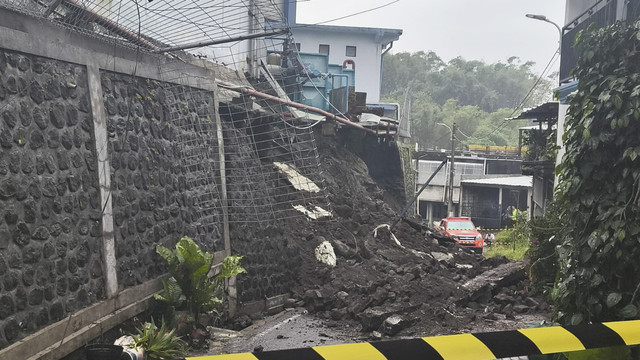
[
  {"x": 164, "y": 171},
  {"x": 50, "y": 215},
  {"x": 162, "y": 150}
]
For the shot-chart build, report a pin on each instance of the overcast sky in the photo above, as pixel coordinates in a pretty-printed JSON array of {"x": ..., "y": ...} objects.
[{"x": 489, "y": 30}]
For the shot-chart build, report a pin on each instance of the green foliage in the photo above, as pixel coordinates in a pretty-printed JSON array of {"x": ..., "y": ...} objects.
[
  {"x": 600, "y": 181},
  {"x": 541, "y": 145},
  {"x": 504, "y": 247},
  {"x": 161, "y": 344},
  {"x": 189, "y": 283},
  {"x": 543, "y": 270},
  {"x": 512, "y": 243},
  {"x": 475, "y": 95}
]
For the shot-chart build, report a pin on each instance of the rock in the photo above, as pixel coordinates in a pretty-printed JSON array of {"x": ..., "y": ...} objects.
[
  {"x": 342, "y": 249},
  {"x": 289, "y": 303},
  {"x": 12, "y": 330},
  {"x": 325, "y": 254},
  {"x": 464, "y": 266},
  {"x": 7, "y": 307},
  {"x": 41, "y": 233},
  {"x": 531, "y": 302},
  {"x": 36, "y": 92},
  {"x": 503, "y": 298},
  {"x": 58, "y": 115},
  {"x": 371, "y": 319},
  {"x": 315, "y": 301},
  {"x": 508, "y": 310},
  {"x": 520, "y": 309},
  {"x": 8, "y": 189},
  {"x": 408, "y": 277},
  {"x": 343, "y": 211},
  {"x": 490, "y": 316},
  {"x": 338, "y": 314},
  {"x": 394, "y": 324},
  {"x": 11, "y": 85},
  {"x": 446, "y": 257},
  {"x": 342, "y": 297}
]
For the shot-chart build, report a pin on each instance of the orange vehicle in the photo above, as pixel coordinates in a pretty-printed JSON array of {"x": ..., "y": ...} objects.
[{"x": 463, "y": 231}]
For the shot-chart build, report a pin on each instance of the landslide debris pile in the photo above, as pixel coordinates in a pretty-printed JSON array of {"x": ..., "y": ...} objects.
[{"x": 388, "y": 289}]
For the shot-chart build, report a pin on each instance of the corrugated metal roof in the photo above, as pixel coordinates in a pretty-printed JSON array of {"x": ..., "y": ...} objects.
[
  {"x": 545, "y": 112},
  {"x": 519, "y": 181}
]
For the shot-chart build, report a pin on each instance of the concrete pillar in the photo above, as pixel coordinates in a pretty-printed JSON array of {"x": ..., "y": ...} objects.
[
  {"x": 562, "y": 113},
  {"x": 500, "y": 201},
  {"x": 231, "y": 284},
  {"x": 104, "y": 174}
]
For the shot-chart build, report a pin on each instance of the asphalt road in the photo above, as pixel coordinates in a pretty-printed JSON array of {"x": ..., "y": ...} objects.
[{"x": 293, "y": 328}]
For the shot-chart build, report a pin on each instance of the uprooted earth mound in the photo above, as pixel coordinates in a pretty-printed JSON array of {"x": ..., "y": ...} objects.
[{"x": 402, "y": 281}]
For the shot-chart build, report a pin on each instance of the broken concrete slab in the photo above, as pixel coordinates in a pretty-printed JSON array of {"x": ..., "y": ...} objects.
[
  {"x": 315, "y": 213},
  {"x": 482, "y": 287},
  {"x": 297, "y": 180}
]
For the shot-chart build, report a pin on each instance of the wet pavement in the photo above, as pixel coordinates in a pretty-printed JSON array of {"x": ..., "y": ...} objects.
[{"x": 292, "y": 328}]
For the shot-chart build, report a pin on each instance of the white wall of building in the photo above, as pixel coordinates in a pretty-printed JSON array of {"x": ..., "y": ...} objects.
[{"x": 368, "y": 54}]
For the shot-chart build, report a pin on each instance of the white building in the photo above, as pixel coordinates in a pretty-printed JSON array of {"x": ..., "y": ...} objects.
[
  {"x": 580, "y": 14},
  {"x": 363, "y": 46}
]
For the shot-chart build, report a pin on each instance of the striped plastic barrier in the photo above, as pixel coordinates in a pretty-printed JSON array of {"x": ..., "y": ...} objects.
[{"x": 480, "y": 346}]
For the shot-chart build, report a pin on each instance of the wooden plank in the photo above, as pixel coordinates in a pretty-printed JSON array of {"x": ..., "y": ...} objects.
[
  {"x": 81, "y": 337},
  {"x": 52, "y": 334}
]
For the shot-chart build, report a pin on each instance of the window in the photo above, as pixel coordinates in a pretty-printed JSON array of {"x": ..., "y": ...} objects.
[
  {"x": 323, "y": 49},
  {"x": 351, "y": 51}
]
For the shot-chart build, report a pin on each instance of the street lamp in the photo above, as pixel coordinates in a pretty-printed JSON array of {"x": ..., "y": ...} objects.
[
  {"x": 451, "y": 168},
  {"x": 544, "y": 18}
]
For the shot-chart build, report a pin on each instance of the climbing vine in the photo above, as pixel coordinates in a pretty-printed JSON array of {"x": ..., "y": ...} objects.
[{"x": 599, "y": 185}]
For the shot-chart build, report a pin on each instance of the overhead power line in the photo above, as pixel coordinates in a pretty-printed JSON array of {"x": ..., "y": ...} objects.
[{"x": 526, "y": 97}]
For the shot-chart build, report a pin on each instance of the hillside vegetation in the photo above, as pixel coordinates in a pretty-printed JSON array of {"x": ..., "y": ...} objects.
[{"x": 475, "y": 95}]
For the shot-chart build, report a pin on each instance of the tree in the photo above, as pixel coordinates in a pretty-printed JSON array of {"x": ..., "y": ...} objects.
[
  {"x": 599, "y": 183},
  {"x": 470, "y": 92}
]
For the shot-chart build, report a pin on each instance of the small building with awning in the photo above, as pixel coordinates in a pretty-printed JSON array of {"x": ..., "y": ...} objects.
[
  {"x": 539, "y": 159},
  {"x": 486, "y": 200}
]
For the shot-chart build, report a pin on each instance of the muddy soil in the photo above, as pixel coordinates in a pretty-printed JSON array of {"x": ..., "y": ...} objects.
[{"x": 383, "y": 288}]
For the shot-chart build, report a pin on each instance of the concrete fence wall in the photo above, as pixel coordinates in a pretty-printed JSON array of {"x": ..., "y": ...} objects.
[
  {"x": 50, "y": 229},
  {"x": 93, "y": 176}
]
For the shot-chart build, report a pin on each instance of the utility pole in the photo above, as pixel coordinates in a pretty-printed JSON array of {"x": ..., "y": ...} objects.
[{"x": 452, "y": 171}]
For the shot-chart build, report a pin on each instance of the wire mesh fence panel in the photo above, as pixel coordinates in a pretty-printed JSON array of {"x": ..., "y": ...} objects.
[{"x": 272, "y": 167}]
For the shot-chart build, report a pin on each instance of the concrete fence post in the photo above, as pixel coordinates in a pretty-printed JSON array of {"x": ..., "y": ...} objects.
[
  {"x": 233, "y": 294},
  {"x": 104, "y": 175}
]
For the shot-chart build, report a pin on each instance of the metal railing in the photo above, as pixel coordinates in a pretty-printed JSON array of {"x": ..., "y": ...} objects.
[{"x": 601, "y": 14}]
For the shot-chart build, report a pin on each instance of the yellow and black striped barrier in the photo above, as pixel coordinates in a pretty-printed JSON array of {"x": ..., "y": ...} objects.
[{"x": 480, "y": 346}]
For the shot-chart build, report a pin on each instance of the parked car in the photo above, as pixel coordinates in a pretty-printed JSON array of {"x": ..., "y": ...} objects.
[{"x": 463, "y": 231}]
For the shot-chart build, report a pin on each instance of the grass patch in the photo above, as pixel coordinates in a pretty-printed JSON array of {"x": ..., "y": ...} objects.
[{"x": 503, "y": 246}]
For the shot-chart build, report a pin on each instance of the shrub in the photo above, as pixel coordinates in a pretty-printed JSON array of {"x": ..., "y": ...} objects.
[
  {"x": 161, "y": 344},
  {"x": 190, "y": 285}
]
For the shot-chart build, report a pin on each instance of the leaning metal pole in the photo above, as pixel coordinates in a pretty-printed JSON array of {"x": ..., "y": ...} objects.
[
  {"x": 452, "y": 171},
  {"x": 415, "y": 197}
]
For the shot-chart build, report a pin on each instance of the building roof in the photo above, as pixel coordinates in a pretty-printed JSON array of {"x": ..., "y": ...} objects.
[
  {"x": 516, "y": 181},
  {"x": 382, "y": 35},
  {"x": 545, "y": 112}
]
